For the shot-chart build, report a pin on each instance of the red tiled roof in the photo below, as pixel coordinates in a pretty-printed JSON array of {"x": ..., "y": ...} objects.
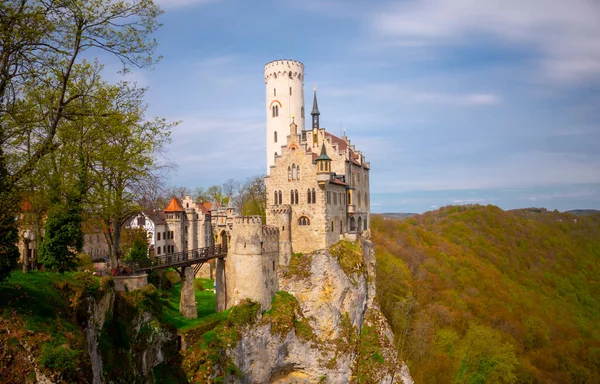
[
  {"x": 338, "y": 182},
  {"x": 341, "y": 144},
  {"x": 174, "y": 206}
]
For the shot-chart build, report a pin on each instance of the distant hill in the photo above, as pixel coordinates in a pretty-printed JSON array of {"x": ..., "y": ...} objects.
[
  {"x": 476, "y": 294},
  {"x": 583, "y": 212},
  {"x": 397, "y": 215}
]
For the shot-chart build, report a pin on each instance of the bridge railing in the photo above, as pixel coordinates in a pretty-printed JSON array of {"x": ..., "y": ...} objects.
[{"x": 189, "y": 257}]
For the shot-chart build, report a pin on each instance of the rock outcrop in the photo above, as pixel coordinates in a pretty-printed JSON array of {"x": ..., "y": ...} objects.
[{"x": 323, "y": 326}]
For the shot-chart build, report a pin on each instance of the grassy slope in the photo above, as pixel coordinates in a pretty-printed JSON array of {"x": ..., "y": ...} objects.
[
  {"x": 39, "y": 311},
  {"x": 205, "y": 302},
  {"x": 477, "y": 294}
]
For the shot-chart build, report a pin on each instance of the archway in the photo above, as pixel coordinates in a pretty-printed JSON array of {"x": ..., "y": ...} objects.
[{"x": 352, "y": 224}]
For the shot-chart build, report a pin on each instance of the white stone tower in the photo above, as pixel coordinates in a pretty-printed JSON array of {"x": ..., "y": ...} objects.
[{"x": 284, "y": 81}]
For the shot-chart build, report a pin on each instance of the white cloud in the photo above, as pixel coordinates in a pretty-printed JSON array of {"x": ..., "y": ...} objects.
[{"x": 563, "y": 33}]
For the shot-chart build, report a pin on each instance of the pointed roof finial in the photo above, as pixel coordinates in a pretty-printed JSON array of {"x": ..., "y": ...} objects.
[
  {"x": 315, "y": 110},
  {"x": 323, "y": 155}
]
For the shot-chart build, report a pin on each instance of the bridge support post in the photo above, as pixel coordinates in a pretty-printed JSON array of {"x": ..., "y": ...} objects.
[
  {"x": 221, "y": 285},
  {"x": 187, "y": 302}
]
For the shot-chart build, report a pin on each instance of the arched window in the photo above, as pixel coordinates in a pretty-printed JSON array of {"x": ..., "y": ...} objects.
[
  {"x": 352, "y": 224},
  {"x": 275, "y": 110},
  {"x": 275, "y": 157},
  {"x": 293, "y": 171},
  {"x": 308, "y": 200},
  {"x": 274, "y": 91},
  {"x": 292, "y": 196},
  {"x": 360, "y": 224},
  {"x": 274, "y": 137},
  {"x": 296, "y": 195},
  {"x": 290, "y": 91},
  {"x": 365, "y": 223},
  {"x": 291, "y": 77},
  {"x": 331, "y": 225},
  {"x": 341, "y": 227},
  {"x": 303, "y": 221},
  {"x": 280, "y": 199},
  {"x": 275, "y": 199},
  {"x": 158, "y": 251},
  {"x": 289, "y": 173},
  {"x": 358, "y": 199},
  {"x": 314, "y": 199}
]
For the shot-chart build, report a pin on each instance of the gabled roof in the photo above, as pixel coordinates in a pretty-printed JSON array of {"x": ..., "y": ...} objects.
[
  {"x": 338, "y": 182},
  {"x": 157, "y": 217},
  {"x": 341, "y": 143},
  {"x": 174, "y": 206}
]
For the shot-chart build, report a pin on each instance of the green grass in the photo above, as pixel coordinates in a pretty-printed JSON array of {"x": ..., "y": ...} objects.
[{"x": 206, "y": 304}]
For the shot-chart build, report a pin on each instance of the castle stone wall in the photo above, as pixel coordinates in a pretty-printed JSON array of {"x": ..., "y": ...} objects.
[{"x": 252, "y": 262}]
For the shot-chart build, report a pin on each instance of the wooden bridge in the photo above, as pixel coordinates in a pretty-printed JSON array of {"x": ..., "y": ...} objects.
[{"x": 178, "y": 260}]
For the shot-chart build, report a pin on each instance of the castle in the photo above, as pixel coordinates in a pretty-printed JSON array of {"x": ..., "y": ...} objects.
[
  {"x": 317, "y": 183},
  {"x": 317, "y": 188}
]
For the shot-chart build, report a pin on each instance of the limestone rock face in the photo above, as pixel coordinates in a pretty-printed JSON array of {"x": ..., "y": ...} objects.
[{"x": 337, "y": 334}]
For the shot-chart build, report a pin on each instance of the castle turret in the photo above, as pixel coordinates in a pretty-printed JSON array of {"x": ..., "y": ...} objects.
[
  {"x": 284, "y": 80},
  {"x": 252, "y": 262},
  {"x": 323, "y": 167},
  {"x": 175, "y": 218}
]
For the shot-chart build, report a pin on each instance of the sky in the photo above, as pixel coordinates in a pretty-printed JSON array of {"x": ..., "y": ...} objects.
[{"x": 452, "y": 101}]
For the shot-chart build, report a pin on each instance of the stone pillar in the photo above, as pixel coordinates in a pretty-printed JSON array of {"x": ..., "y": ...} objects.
[
  {"x": 187, "y": 302},
  {"x": 221, "y": 285}
]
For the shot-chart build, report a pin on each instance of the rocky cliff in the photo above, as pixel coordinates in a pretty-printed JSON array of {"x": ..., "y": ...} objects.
[
  {"x": 323, "y": 326},
  {"x": 71, "y": 328}
]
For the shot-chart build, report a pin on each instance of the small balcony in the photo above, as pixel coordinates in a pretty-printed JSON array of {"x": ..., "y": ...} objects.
[{"x": 351, "y": 208}]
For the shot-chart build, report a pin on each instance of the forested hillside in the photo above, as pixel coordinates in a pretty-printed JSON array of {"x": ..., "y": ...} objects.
[{"x": 480, "y": 295}]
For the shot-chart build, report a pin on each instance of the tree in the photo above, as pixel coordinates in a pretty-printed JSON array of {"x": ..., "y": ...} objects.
[
  {"x": 124, "y": 163},
  {"x": 63, "y": 239},
  {"x": 9, "y": 232},
  {"x": 252, "y": 199},
  {"x": 42, "y": 45}
]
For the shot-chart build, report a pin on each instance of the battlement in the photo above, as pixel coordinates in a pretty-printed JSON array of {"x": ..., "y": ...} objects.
[
  {"x": 289, "y": 68},
  {"x": 247, "y": 220},
  {"x": 270, "y": 230},
  {"x": 282, "y": 210}
]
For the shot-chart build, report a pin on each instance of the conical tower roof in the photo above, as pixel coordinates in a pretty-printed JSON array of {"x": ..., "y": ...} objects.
[
  {"x": 315, "y": 110},
  {"x": 323, "y": 155},
  {"x": 174, "y": 206}
]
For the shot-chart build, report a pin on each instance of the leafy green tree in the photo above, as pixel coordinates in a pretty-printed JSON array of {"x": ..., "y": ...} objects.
[
  {"x": 42, "y": 46},
  {"x": 63, "y": 238},
  {"x": 124, "y": 162},
  {"x": 9, "y": 232},
  {"x": 138, "y": 251}
]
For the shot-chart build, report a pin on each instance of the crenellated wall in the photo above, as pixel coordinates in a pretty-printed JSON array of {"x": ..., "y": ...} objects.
[{"x": 252, "y": 262}]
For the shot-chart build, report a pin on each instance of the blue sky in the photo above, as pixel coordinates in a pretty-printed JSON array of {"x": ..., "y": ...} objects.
[{"x": 452, "y": 101}]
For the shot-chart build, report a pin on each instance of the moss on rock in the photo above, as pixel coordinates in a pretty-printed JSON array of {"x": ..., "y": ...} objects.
[{"x": 349, "y": 256}]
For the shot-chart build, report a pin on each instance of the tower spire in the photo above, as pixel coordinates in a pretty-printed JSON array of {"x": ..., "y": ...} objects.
[{"x": 315, "y": 112}]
